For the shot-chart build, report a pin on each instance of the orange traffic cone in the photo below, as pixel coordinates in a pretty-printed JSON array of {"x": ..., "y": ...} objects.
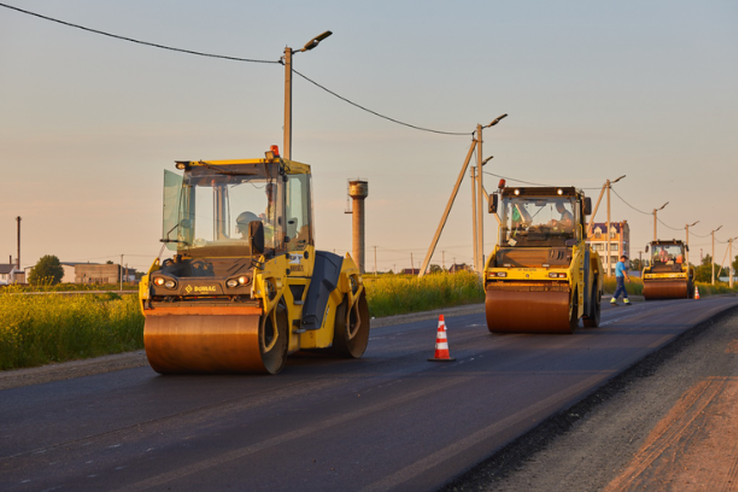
[
  {"x": 696, "y": 292},
  {"x": 442, "y": 354}
]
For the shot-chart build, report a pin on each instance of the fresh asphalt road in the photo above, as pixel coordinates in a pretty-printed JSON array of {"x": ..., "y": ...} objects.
[{"x": 391, "y": 420}]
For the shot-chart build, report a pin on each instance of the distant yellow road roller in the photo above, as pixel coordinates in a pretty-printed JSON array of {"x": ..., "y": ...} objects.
[
  {"x": 668, "y": 274},
  {"x": 245, "y": 285},
  {"x": 542, "y": 276}
]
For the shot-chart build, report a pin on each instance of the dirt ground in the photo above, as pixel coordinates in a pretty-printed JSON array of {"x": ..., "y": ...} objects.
[{"x": 669, "y": 424}]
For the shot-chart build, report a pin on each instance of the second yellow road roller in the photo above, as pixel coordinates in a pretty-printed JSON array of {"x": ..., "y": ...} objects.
[
  {"x": 245, "y": 285},
  {"x": 668, "y": 275},
  {"x": 542, "y": 277}
]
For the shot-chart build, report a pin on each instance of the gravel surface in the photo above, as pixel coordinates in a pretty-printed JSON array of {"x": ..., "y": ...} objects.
[{"x": 587, "y": 446}]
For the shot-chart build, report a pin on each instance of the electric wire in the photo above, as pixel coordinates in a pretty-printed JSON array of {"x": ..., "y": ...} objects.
[
  {"x": 528, "y": 182},
  {"x": 628, "y": 204},
  {"x": 668, "y": 226},
  {"x": 380, "y": 115},
  {"x": 137, "y": 41},
  {"x": 231, "y": 58}
]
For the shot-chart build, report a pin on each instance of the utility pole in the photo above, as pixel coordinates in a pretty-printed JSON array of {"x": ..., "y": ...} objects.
[
  {"x": 479, "y": 243},
  {"x": 608, "y": 184},
  {"x": 712, "y": 260},
  {"x": 655, "y": 237},
  {"x": 375, "y": 260},
  {"x": 475, "y": 223},
  {"x": 444, "y": 217},
  {"x": 730, "y": 262},
  {"x": 477, "y": 208},
  {"x": 287, "y": 60},
  {"x": 687, "y": 226},
  {"x": 18, "y": 253},
  {"x": 121, "y": 273}
]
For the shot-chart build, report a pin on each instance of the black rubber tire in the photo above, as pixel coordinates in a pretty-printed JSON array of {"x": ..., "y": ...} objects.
[
  {"x": 593, "y": 320},
  {"x": 273, "y": 341},
  {"x": 351, "y": 329},
  {"x": 574, "y": 311}
]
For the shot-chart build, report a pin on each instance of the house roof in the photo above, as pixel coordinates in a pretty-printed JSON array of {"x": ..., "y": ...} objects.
[
  {"x": 6, "y": 268},
  {"x": 615, "y": 225}
]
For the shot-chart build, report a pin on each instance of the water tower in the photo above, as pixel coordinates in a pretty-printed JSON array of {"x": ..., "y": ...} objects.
[{"x": 358, "y": 191}]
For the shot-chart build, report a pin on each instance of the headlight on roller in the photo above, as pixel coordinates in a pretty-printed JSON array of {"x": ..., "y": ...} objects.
[
  {"x": 557, "y": 275},
  {"x": 232, "y": 283},
  {"x": 165, "y": 282}
]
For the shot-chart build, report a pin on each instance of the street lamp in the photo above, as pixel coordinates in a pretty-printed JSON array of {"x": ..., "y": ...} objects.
[
  {"x": 287, "y": 60},
  {"x": 712, "y": 260},
  {"x": 477, "y": 209},
  {"x": 655, "y": 237},
  {"x": 687, "y": 228}
]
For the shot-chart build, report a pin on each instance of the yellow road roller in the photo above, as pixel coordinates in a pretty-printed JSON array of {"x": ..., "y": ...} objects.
[
  {"x": 668, "y": 274},
  {"x": 542, "y": 276},
  {"x": 244, "y": 286}
]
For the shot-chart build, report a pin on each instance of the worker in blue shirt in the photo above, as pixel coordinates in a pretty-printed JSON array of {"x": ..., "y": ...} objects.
[{"x": 621, "y": 275}]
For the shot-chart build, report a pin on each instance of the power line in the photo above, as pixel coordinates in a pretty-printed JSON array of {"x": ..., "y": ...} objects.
[
  {"x": 529, "y": 182},
  {"x": 393, "y": 120},
  {"x": 668, "y": 226},
  {"x": 231, "y": 58},
  {"x": 137, "y": 41},
  {"x": 628, "y": 204}
]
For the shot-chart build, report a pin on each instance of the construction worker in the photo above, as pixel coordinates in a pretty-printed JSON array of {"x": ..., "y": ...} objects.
[
  {"x": 566, "y": 221},
  {"x": 243, "y": 221},
  {"x": 621, "y": 275}
]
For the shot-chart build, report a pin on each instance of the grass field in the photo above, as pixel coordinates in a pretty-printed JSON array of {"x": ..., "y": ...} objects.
[{"x": 39, "y": 329}]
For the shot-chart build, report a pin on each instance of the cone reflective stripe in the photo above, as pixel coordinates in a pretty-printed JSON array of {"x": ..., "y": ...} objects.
[
  {"x": 442, "y": 354},
  {"x": 696, "y": 292}
]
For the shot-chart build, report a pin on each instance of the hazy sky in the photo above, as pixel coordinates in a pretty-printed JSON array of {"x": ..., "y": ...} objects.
[{"x": 594, "y": 90}]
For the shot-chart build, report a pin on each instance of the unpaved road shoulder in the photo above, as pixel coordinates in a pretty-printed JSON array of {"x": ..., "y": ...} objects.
[{"x": 670, "y": 423}]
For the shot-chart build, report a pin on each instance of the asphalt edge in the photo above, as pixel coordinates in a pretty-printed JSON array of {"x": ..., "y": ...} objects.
[{"x": 511, "y": 456}]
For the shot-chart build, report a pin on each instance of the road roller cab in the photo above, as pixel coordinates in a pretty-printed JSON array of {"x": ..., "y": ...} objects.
[
  {"x": 245, "y": 286},
  {"x": 668, "y": 274},
  {"x": 542, "y": 276}
]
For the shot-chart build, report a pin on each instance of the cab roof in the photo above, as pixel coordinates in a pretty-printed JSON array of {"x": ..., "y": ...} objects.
[
  {"x": 542, "y": 191},
  {"x": 290, "y": 167}
]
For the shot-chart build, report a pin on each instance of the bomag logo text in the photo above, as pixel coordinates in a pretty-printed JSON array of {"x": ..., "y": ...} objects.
[{"x": 200, "y": 289}]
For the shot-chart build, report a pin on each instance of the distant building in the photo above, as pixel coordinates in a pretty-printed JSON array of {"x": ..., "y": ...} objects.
[
  {"x": 619, "y": 238},
  {"x": 411, "y": 271},
  {"x": 106, "y": 273},
  {"x": 92, "y": 273},
  {"x": 9, "y": 274},
  {"x": 458, "y": 267},
  {"x": 69, "y": 276}
]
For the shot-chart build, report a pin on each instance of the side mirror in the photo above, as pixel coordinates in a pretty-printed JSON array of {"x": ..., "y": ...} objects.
[
  {"x": 686, "y": 246},
  {"x": 587, "y": 206},
  {"x": 493, "y": 203},
  {"x": 647, "y": 248},
  {"x": 256, "y": 237}
]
